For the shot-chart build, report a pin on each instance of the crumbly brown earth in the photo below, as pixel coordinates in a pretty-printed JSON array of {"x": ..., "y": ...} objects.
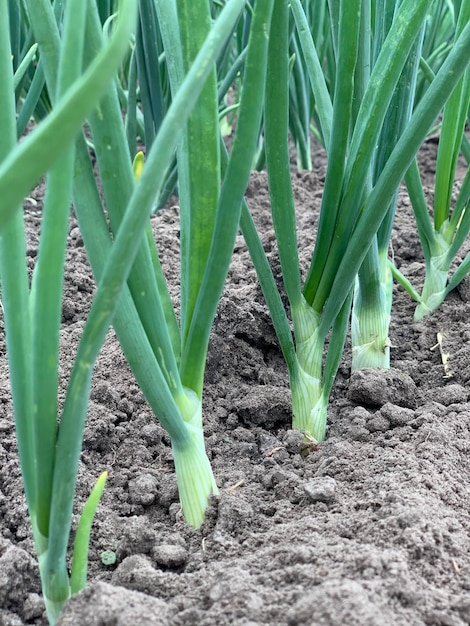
[{"x": 370, "y": 529}]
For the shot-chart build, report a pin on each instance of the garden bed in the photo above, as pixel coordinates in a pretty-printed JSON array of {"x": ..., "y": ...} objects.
[{"x": 369, "y": 528}]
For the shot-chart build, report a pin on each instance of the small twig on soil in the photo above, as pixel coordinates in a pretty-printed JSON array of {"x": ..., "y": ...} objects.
[
  {"x": 444, "y": 355},
  {"x": 274, "y": 450},
  {"x": 235, "y": 486},
  {"x": 456, "y": 567}
]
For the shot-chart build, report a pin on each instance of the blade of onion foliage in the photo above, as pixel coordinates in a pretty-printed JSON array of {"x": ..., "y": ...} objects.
[
  {"x": 231, "y": 195},
  {"x": 24, "y": 65},
  {"x": 439, "y": 33},
  {"x": 194, "y": 347},
  {"x": 233, "y": 186},
  {"x": 47, "y": 282},
  {"x": 31, "y": 97},
  {"x": 118, "y": 264},
  {"x": 197, "y": 197},
  {"x": 300, "y": 106},
  {"x": 282, "y": 203},
  {"x": 14, "y": 277},
  {"x": 443, "y": 238},
  {"x": 79, "y": 568},
  {"x": 195, "y": 200},
  {"x": 151, "y": 90},
  {"x": 21, "y": 169},
  {"x": 32, "y": 106},
  {"x": 115, "y": 164},
  {"x": 369, "y": 316},
  {"x": 126, "y": 243},
  {"x": 317, "y": 77},
  {"x": 344, "y": 205},
  {"x": 320, "y": 21},
  {"x": 201, "y": 160}
]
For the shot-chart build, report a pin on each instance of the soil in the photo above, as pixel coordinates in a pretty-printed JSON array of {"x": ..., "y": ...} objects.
[{"x": 371, "y": 528}]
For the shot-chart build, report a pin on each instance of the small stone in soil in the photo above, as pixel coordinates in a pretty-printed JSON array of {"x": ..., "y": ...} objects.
[
  {"x": 321, "y": 489},
  {"x": 293, "y": 441},
  {"x": 18, "y": 571},
  {"x": 462, "y": 606},
  {"x": 33, "y": 607},
  {"x": 266, "y": 405},
  {"x": 137, "y": 573},
  {"x": 235, "y": 513},
  {"x": 142, "y": 489},
  {"x": 138, "y": 537},
  {"x": 169, "y": 555}
]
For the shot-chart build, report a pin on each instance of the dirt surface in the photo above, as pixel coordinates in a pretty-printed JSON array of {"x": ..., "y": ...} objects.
[{"x": 370, "y": 529}]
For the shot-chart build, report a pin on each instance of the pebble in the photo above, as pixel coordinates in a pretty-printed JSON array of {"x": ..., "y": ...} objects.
[
  {"x": 136, "y": 572},
  {"x": 268, "y": 406},
  {"x": 138, "y": 537},
  {"x": 18, "y": 571},
  {"x": 143, "y": 489},
  {"x": 33, "y": 607},
  {"x": 169, "y": 555},
  {"x": 462, "y": 606},
  {"x": 321, "y": 489},
  {"x": 151, "y": 433},
  {"x": 293, "y": 441}
]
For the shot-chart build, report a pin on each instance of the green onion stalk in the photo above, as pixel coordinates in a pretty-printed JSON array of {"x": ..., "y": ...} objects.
[
  {"x": 372, "y": 302},
  {"x": 49, "y": 453},
  {"x": 168, "y": 357},
  {"x": 210, "y": 207},
  {"x": 352, "y": 208}
]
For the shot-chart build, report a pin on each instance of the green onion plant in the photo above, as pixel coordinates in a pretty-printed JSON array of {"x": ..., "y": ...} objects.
[
  {"x": 443, "y": 232},
  {"x": 353, "y": 206},
  {"x": 372, "y": 301},
  {"x": 49, "y": 454},
  {"x": 167, "y": 356},
  {"x": 49, "y": 435}
]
